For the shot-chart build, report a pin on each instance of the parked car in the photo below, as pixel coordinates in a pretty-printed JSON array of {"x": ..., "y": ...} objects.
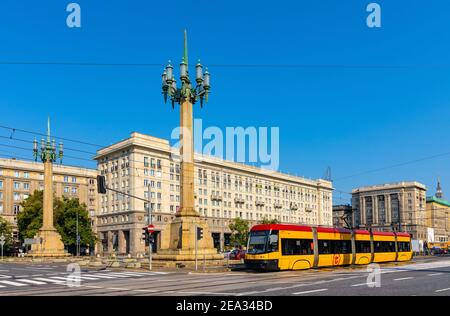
[{"x": 237, "y": 254}]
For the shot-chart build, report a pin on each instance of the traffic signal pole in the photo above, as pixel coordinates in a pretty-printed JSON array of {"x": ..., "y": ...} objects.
[
  {"x": 150, "y": 237},
  {"x": 196, "y": 242}
]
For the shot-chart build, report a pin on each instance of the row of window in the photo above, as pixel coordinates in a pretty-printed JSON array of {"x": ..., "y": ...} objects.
[{"x": 306, "y": 246}]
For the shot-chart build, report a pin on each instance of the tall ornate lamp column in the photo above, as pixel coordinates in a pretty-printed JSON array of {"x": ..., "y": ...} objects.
[
  {"x": 179, "y": 237},
  {"x": 50, "y": 244}
]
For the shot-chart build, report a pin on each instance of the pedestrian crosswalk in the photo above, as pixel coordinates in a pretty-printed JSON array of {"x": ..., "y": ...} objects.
[{"x": 9, "y": 281}]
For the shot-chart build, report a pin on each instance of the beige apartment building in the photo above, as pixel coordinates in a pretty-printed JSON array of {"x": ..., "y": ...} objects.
[
  {"x": 19, "y": 179},
  {"x": 391, "y": 206},
  {"x": 149, "y": 168},
  {"x": 438, "y": 216}
]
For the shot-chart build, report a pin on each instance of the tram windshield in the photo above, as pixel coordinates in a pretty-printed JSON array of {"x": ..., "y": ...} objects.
[{"x": 262, "y": 241}]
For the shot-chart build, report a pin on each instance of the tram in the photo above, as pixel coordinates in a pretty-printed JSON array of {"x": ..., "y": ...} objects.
[{"x": 273, "y": 247}]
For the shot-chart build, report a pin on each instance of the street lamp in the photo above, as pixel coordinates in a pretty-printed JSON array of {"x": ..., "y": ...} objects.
[{"x": 186, "y": 91}]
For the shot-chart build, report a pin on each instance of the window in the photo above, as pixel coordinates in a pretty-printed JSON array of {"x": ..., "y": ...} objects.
[
  {"x": 1, "y": 208},
  {"x": 1, "y": 184},
  {"x": 74, "y": 179},
  {"x": 66, "y": 189},
  {"x": 26, "y": 186},
  {"x": 362, "y": 246},
  {"x": 292, "y": 247},
  {"x": 404, "y": 246},
  {"x": 16, "y": 196},
  {"x": 16, "y": 209},
  {"x": 16, "y": 174},
  {"x": 26, "y": 175},
  {"x": 74, "y": 190},
  {"x": 335, "y": 246},
  {"x": 384, "y": 246},
  {"x": 1, "y": 195},
  {"x": 66, "y": 179},
  {"x": 16, "y": 185}
]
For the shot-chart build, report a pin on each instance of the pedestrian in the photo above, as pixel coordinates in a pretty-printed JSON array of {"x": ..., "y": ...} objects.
[{"x": 425, "y": 248}]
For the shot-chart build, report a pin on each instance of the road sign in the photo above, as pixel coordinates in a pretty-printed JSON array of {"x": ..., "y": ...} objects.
[
  {"x": 2, "y": 243},
  {"x": 31, "y": 241},
  {"x": 151, "y": 228}
]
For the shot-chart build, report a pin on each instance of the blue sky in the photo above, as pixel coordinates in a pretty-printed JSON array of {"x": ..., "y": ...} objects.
[{"x": 349, "y": 118}]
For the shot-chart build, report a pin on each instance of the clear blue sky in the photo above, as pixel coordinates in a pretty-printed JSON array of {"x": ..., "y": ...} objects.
[{"x": 352, "y": 119}]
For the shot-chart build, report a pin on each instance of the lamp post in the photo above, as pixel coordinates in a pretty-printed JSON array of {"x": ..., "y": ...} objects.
[
  {"x": 51, "y": 243},
  {"x": 186, "y": 92},
  {"x": 186, "y": 96},
  {"x": 181, "y": 231}
]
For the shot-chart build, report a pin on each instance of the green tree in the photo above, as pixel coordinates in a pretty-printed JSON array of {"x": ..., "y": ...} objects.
[
  {"x": 266, "y": 220},
  {"x": 6, "y": 231},
  {"x": 66, "y": 222},
  {"x": 239, "y": 231},
  {"x": 65, "y": 210},
  {"x": 29, "y": 220}
]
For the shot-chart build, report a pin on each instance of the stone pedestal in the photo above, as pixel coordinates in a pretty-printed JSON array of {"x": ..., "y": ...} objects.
[
  {"x": 178, "y": 241},
  {"x": 51, "y": 246}
]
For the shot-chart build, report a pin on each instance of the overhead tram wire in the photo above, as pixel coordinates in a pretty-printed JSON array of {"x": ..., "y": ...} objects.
[
  {"x": 103, "y": 146},
  {"x": 221, "y": 65}
]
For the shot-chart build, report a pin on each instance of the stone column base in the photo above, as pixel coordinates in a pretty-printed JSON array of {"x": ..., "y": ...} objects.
[
  {"x": 51, "y": 246},
  {"x": 179, "y": 239}
]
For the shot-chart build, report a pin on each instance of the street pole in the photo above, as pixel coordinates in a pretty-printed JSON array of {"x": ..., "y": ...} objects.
[
  {"x": 77, "y": 241},
  {"x": 204, "y": 260},
  {"x": 149, "y": 222},
  {"x": 2, "y": 242},
  {"x": 196, "y": 241}
]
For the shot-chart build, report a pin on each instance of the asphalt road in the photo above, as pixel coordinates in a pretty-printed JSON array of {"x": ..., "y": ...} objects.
[{"x": 424, "y": 276}]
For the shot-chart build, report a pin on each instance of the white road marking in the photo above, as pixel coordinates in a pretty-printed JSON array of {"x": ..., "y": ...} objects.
[
  {"x": 442, "y": 290},
  {"x": 93, "y": 286},
  {"x": 117, "y": 289},
  {"x": 2, "y": 286},
  {"x": 119, "y": 275},
  {"x": 312, "y": 291},
  {"x": 152, "y": 291},
  {"x": 13, "y": 283},
  {"x": 401, "y": 279},
  {"x": 50, "y": 280},
  {"x": 98, "y": 275},
  {"x": 362, "y": 284},
  {"x": 76, "y": 278},
  {"x": 31, "y": 281},
  {"x": 434, "y": 274}
]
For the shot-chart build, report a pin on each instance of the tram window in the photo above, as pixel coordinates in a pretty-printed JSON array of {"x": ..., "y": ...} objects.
[
  {"x": 292, "y": 247},
  {"x": 325, "y": 247},
  {"x": 273, "y": 242},
  {"x": 342, "y": 246},
  {"x": 384, "y": 246},
  {"x": 404, "y": 246},
  {"x": 362, "y": 246}
]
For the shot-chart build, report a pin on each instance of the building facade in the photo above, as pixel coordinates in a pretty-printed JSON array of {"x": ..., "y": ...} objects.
[
  {"x": 341, "y": 213},
  {"x": 19, "y": 179},
  {"x": 395, "y": 206},
  {"x": 438, "y": 216},
  {"x": 149, "y": 168}
]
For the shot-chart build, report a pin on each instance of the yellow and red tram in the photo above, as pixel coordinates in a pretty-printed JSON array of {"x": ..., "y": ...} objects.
[{"x": 294, "y": 247}]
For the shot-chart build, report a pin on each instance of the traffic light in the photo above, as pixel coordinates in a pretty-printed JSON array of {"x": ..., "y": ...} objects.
[
  {"x": 199, "y": 233},
  {"x": 144, "y": 234},
  {"x": 101, "y": 184}
]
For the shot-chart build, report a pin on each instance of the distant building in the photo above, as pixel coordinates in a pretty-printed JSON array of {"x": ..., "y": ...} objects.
[
  {"x": 339, "y": 213},
  {"x": 394, "y": 206},
  {"x": 19, "y": 179},
  {"x": 438, "y": 215},
  {"x": 149, "y": 168}
]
